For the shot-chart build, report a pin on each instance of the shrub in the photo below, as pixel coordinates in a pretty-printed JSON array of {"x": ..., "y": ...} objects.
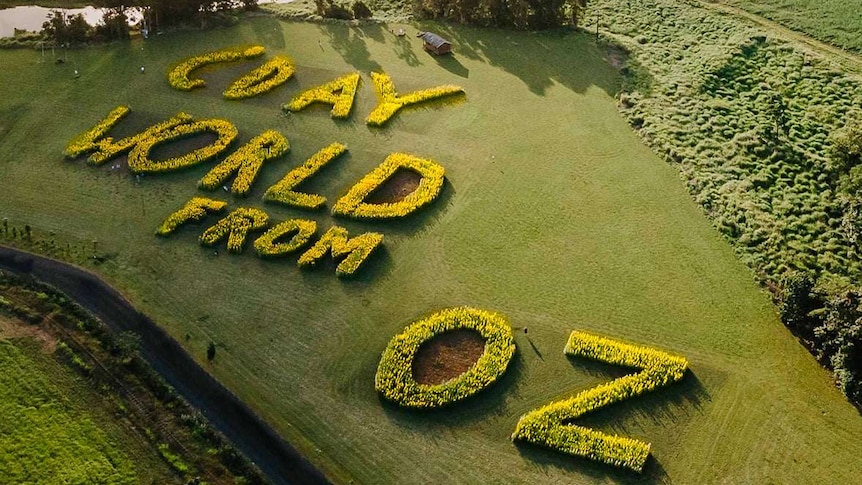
[
  {"x": 246, "y": 162},
  {"x": 265, "y": 78},
  {"x": 522, "y": 14},
  {"x": 235, "y": 226},
  {"x": 331, "y": 9},
  {"x": 173, "y": 459},
  {"x": 361, "y": 11},
  {"x": 549, "y": 425},
  {"x": 340, "y": 93},
  {"x": 106, "y": 148},
  {"x": 394, "y": 378},
  {"x": 336, "y": 242},
  {"x": 194, "y": 210},
  {"x": 845, "y": 148},
  {"x": 21, "y": 311},
  {"x": 432, "y": 173},
  {"x": 178, "y": 76},
  {"x": 139, "y": 156},
  {"x": 73, "y": 358},
  {"x": 389, "y": 102},
  {"x": 89, "y": 140},
  {"x": 283, "y": 192},
  {"x": 300, "y": 230},
  {"x": 65, "y": 29},
  {"x": 103, "y": 148},
  {"x": 796, "y": 302}
]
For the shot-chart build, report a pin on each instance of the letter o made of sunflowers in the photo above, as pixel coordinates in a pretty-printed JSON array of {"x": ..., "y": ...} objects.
[{"x": 395, "y": 381}]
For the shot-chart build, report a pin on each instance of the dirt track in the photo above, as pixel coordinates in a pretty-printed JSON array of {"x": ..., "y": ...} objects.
[
  {"x": 278, "y": 460},
  {"x": 848, "y": 60}
]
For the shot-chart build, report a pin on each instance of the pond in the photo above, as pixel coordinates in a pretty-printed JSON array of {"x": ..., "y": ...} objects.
[{"x": 31, "y": 17}]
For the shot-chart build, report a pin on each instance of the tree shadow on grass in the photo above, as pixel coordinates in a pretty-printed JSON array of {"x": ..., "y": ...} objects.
[
  {"x": 350, "y": 43},
  {"x": 268, "y": 31},
  {"x": 491, "y": 401},
  {"x": 452, "y": 64},
  {"x": 404, "y": 50},
  {"x": 567, "y": 58}
]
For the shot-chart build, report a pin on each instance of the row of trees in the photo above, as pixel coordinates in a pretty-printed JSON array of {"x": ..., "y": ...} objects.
[
  {"x": 173, "y": 11},
  {"x": 336, "y": 10},
  {"x": 518, "y": 14},
  {"x": 74, "y": 29}
]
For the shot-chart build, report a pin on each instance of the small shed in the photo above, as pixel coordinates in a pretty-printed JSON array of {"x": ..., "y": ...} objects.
[{"x": 435, "y": 44}]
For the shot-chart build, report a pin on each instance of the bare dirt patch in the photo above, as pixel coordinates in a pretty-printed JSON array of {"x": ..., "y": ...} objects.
[
  {"x": 180, "y": 146},
  {"x": 12, "y": 328},
  {"x": 396, "y": 188},
  {"x": 447, "y": 356},
  {"x": 616, "y": 56}
]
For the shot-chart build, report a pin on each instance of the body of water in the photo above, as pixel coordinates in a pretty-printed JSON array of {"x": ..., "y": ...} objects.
[{"x": 31, "y": 17}]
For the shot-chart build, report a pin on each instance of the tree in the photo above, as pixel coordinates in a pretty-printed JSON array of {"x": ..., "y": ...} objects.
[
  {"x": 333, "y": 10},
  {"x": 115, "y": 24},
  {"x": 845, "y": 151},
  {"x": 211, "y": 351},
  {"x": 519, "y": 14},
  {"x": 844, "y": 166},
  {"x": 66, "y": 30},
  {"x": 578, "y": 8},
  {"x": 127, "y": 345},
  {"x": 796, "y": 302},
  {"x": 361, "y": 11},
  {"x": 78, "y": 29}
]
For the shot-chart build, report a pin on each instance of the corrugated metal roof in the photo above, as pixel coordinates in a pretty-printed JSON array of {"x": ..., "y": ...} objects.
[{"x": 434, "y": 39}]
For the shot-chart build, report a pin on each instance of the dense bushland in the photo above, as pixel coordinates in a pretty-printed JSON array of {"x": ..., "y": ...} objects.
[
  {"x": 765, "y": 136},
  {"x": 519, "y": 14}
]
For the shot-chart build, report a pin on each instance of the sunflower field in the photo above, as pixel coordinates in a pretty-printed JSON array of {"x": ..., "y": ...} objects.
[
  {"x": 352, "y": 203},
  {"x": 394, "y": 379},
  {"x": 339, "y": 93},
  {"x": 549, "y": 425}
]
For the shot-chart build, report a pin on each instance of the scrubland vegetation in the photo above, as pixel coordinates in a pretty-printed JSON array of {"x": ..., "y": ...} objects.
[{"x": 764, "y": 135}]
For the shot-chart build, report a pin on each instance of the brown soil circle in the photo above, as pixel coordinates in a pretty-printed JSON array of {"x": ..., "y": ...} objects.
[
  {"x": 180, "y": 146},
  {"x": 396, "y": 188},
  {"x": 447, "y": 356}
]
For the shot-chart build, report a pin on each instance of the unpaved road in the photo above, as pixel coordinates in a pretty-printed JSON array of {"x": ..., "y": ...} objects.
[
  {"x": 848, "y": 60},
  {"x": 276, "y": 458}
]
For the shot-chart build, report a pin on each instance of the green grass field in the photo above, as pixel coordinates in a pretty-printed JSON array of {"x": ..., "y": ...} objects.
[
  {"x": 555, "y": 214},
  {"x": 835, "y": 21},
  {"x": 55, "y": 429}
]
